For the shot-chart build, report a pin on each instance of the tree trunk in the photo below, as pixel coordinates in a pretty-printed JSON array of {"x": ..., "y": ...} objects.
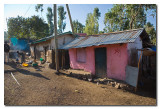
[
  {"x": 70, "y": 18},
  {"x": 131, "y": 24},
  {"x": 55, "y": 38}
]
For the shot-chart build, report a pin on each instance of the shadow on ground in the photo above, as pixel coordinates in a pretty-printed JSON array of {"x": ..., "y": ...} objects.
[
  {"x": 147, "y": 90},
  {"x": 23, "y": 71}
]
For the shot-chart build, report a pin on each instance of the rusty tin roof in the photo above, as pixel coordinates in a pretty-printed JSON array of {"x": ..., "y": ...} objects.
[{"x": 126, "y": 36}]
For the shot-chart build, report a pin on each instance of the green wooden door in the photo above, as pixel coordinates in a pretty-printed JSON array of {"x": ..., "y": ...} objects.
[{"x": 100, "y": 62}]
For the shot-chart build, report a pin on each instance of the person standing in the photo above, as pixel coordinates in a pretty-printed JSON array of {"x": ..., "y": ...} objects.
[
  {"x": 6, "y": 51},
  {"x": 22, "y": 56}
]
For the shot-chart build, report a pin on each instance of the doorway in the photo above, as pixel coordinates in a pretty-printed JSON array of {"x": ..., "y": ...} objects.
[
  {"x": 45, "y": 52},
  {"x": 100, "y": 62}
]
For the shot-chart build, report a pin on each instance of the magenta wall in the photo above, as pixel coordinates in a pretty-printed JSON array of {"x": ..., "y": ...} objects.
[{"x": 117, "y": 59}]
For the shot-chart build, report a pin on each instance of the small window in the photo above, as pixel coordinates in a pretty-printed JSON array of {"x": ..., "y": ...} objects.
[{"x": 81, "y": 55}]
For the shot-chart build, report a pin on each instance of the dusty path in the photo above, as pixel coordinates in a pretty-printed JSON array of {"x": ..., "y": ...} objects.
[{"x": 44, "y": 87}]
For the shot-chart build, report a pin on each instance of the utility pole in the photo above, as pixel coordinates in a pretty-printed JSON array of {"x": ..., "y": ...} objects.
[
  {"x": 70, "y": 18},
  {"x": 55, "y": 39}
]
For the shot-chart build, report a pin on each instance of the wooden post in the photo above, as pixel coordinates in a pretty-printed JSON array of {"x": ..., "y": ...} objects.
[
  {"x": 34, "y": 53},
  {"x": 70, "y": 18},
  {"x": 55, "y": 38},
  {"x": 138, "y": 70},
  {"x": 62, "y": 60},
  {"x": 64, "y": 63}
]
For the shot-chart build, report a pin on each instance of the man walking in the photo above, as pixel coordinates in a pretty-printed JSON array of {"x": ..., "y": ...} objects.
[{"x": 6, "y": 51}]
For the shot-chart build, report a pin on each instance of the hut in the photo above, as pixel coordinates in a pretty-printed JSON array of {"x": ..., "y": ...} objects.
[{"x": 109, "y": 54}]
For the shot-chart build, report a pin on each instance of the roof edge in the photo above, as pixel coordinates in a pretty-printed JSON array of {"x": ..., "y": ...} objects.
[{"x": 49, "y": 37}]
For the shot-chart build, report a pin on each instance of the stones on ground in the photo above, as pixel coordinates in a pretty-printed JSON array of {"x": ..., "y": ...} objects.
[
  {"x": 117, "y": 86},
  {"x": 70, "y": 73},
  {"x": 77, "y": 91},
  {"x": 122, "y": 86},
  {"x": 79, "y": 76},
  {"x": 89, "y": 79},
  {"x": 113, "y": 84}
]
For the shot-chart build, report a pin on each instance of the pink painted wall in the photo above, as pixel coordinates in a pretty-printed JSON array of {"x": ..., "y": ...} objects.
[
  {"x": 117, "y": 59},
  {"x": 89, "y": 65}
]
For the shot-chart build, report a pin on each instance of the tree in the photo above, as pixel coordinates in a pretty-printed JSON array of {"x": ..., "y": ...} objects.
[
  {"x": 151, "y": 32},
  {"x": 128, "y": 16},
  {"x": 61, "y": 18},
  {"x": 50, "y": 20},
  {"x": 114, "y": 19},
  {"x": 78, "y": 27},
  {"x": 30, "y": 28},
  {"x": 92, "y": 26},
  {"x": 39, "y": 7},
  {"x": 38, "y": 27},
  {"x": 15, "y": 26},
  {"x": 101, "y": 32},
  {"x": 96, "y": 13}
]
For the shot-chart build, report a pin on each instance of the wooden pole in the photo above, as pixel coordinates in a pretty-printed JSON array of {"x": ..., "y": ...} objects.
[
  {"x": 70, "y": 18},
  {"x": 138, "y": 70},
  {"x": 34, "y": 53},
  {"x": 62, "y": 60},
  {"x": 55, "y": 38}
]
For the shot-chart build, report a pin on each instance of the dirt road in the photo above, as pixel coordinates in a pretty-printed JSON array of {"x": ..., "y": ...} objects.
[{"x": 43, "y": 87}]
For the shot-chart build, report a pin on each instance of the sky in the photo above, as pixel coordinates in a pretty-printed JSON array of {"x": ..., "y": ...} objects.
[{"x": 78, "y": 12}]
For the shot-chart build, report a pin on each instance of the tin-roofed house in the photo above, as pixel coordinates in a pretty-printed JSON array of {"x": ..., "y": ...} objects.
[
  {"x": 107, "y": 55},
  {"x": 42, "y": 48}
]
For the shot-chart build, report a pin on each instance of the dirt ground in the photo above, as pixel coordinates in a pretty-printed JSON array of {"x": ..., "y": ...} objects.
[{"x": 41, "y": 86}]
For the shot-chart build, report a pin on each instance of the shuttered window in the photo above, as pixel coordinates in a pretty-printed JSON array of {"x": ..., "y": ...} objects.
[{"x": 81, "y": 55}]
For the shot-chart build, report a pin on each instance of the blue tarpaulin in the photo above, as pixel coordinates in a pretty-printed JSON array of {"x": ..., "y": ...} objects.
[
  {"x": 153, "y": 48},
  {"x": 19, "y": 44}
]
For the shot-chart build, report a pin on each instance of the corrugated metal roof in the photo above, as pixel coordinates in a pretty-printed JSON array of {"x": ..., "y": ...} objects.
[
  {"x": 104, "y": 39},
  {"x": 49, "y": 37}
]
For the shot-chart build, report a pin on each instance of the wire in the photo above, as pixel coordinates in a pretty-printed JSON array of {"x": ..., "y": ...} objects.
[{"x": 28, "y": 9}]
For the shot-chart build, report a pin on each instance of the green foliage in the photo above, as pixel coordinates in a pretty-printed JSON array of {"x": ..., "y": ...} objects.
[
  {"x": 101, "y": 32},
  {"x": 126, "y": 16},
  {"x": 92, "y": 26},
  {"x": 38, "y": 27},
  {"x": 50, "y": 20},
  {"x": 15, "y": 26},
  {"x": 30, "y": 28},
  {"x": 61, "y": 18},
  {"x": 78, "y": 27},
  {"x": 151, "y": 32},
  {"x": 39, "y": 7},
  {"x": 96, "y": 13}
]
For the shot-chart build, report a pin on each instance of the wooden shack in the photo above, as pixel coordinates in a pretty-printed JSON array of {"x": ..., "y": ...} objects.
[{"x": 44, "y": 48}]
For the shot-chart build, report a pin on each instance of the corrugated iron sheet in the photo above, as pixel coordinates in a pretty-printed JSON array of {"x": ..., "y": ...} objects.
[
  {"x": 109, "y": 38},
  {"x": 49, "y": 37}
]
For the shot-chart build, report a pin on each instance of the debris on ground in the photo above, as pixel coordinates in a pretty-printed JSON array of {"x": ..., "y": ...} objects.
[
  {"x": 25, "y": 64},
  {"x": 76, "y": 91},
  {"x": 117, "y": 86},
  {"x": 47, "y": 88},
  {"x": 15, "y": 79},
  {"x": 34, "y": 64}
]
